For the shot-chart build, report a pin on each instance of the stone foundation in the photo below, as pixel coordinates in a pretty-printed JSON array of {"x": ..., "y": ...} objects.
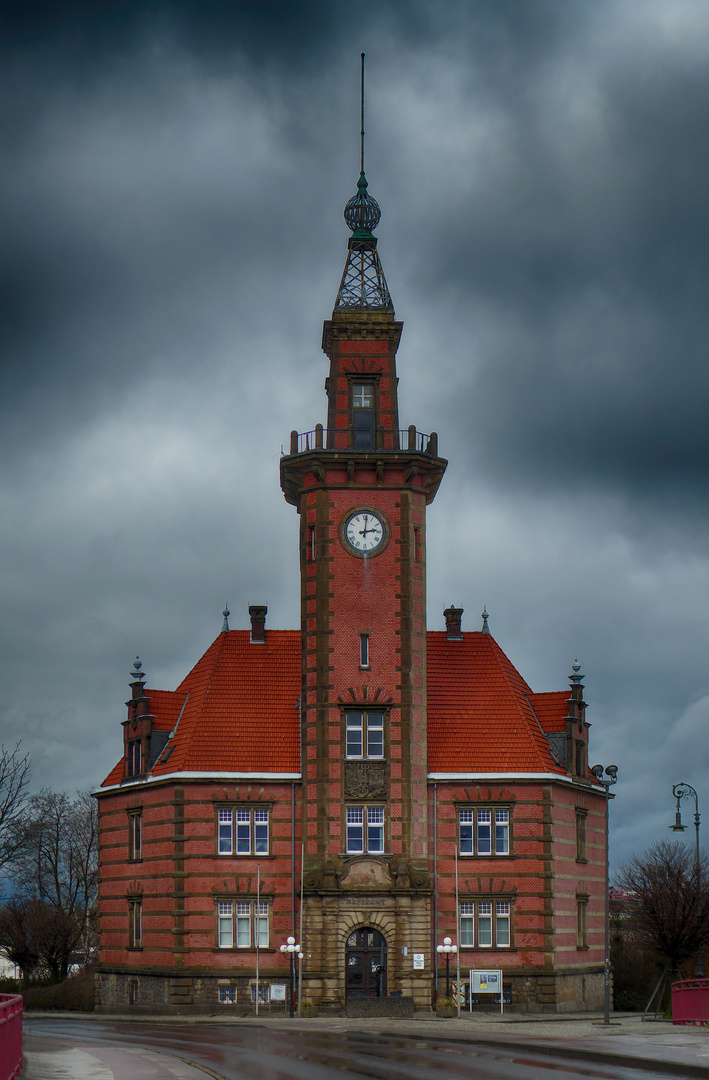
[
  {"x": 397, "y": 1008},
  {"x": 140, "y": 993}
]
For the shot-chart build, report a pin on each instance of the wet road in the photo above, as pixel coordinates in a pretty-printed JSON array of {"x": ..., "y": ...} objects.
[{"x": 101, "y": 1050}]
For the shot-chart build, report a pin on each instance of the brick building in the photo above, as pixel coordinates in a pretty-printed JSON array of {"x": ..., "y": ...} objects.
[{"x": 365, "y": 785}]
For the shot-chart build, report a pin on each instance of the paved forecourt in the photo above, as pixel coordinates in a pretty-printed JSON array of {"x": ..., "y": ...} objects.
[{"x": 628, "y": 1040}]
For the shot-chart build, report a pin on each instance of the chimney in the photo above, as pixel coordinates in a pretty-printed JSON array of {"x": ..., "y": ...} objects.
[
  {"x": 257, "y": 613},
  {"x": 453, "y": 616}
]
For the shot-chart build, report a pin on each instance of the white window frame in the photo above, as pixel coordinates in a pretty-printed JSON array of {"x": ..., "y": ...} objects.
[
  {"x": 228, "y": 995},
  {"x": 484, "y": 831},
  {"x": 225, "y": 924},
  {"x": 243, "y": 924},
  {"x": 485, "y": 924},
  {"x": 364, "y": 735},
  {"x": 243, "y": 831},
  {"x": 365, "y": 830}
]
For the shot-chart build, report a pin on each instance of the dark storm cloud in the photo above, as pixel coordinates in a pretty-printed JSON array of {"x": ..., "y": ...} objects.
[
  {"x": 172, "y": 178},
  {"x": 591, "y": 247}
]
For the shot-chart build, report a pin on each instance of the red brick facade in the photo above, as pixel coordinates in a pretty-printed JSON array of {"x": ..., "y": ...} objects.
[{"x": 366, "y": 786}]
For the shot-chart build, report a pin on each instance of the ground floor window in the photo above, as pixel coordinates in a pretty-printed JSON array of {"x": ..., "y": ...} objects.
[
  {"x": 263, "y": 989},
  {"x": 485, "y": 924},
  {"x": 227, "y": 995},
  {"x": 242, "y": 924}
]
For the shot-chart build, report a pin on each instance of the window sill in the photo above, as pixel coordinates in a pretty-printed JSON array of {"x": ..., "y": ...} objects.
[
  {"x": 234, "y": 855},
  {"x": 135, "y": 948},
  {"x": 487, "y": 948},
  {"x": 582, "y": 948},
  {"x": 481, "y": 858},
  {"x": 581, "y": 859},
  {"x": 244, "y": 949}
]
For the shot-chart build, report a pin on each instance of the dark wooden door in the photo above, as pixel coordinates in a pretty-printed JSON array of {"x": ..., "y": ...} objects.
[{"x": 366, "y": 964}]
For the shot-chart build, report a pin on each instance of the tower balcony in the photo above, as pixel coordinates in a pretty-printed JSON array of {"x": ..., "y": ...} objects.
[{"x": 382, "y": 440}]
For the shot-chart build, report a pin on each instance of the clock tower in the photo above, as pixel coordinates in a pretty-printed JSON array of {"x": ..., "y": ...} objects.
[{"x": 361, "y": 486}]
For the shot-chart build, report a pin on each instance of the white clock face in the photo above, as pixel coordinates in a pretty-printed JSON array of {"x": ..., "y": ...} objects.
[{"x": 365, "y": 531}]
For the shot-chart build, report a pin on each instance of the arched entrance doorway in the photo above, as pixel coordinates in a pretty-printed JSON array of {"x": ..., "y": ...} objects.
[{"x": 366, "y": 964}]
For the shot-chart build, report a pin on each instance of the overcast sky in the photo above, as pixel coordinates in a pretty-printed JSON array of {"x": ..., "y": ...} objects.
[{"x": 172, "y": 180}]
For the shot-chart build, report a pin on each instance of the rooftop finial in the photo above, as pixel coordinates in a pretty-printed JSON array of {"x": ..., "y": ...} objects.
[
  {"x": 137, "y": 675},
  {"x": 575, "y": 678},
  {"x": 485, "y": 617},
  {"x": 226, "y": 613}
]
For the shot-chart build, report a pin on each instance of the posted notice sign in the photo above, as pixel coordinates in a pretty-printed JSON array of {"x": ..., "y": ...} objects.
[{"x": 486, "y": 981}]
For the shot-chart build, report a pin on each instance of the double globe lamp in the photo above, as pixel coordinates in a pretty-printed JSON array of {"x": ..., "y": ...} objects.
[
  {"x": 293, "y": 950},
  {"x": 446, "y": 949}
]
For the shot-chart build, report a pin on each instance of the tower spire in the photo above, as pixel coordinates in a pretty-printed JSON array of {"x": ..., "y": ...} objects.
[
  {"x": 361, "y": 139},
  {"x": 363, "y": 287}
]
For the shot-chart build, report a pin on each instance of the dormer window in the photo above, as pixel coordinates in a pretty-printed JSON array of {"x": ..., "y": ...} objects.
[{"x": 135, "y": 760}]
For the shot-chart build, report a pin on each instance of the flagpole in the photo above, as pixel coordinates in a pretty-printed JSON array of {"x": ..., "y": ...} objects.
[
  {"x": 300, "y": 931},
  {"x": 457, "y": 933},
  {"x": 256, "y": 926}
]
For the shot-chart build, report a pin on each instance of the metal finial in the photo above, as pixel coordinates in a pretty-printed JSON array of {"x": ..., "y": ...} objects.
[
  {"x": 485, "y": 617},
  {"x": 137, "y": 675},
  {"x": 576, "y": 667},
  {"x": 226, "y": 613}
]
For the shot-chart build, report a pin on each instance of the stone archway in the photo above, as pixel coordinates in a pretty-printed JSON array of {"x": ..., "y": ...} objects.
[{"x": 366, "y": 963}]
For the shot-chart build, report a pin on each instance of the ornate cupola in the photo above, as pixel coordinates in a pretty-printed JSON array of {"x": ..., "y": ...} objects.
[{"x": 363, "y": 287}]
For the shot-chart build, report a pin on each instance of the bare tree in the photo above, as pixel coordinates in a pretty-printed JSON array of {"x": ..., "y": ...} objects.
[
  {"x": 15, "y": 772},
  {"x": 667, "y": 900},
  {"x": 38, "y": 938},
  {"x": 18, "y": 941},
  {"x": 58, "y": 865}
]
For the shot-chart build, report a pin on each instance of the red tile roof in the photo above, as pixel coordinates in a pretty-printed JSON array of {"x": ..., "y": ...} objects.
[
  {"x": 551, "y": 709},
  {"x": 479, "y": 714},
  {"x": 237, "y": 710}
]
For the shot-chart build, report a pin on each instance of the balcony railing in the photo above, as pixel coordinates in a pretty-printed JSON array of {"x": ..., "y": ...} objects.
[{"x": 382, "y": 440}]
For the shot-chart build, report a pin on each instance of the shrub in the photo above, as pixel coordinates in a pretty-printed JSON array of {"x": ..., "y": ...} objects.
[{"x": 75, "y": 994}]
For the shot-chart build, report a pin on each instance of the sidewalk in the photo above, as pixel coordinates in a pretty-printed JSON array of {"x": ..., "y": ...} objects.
[
  {"x": 628, "y": 1040},
  {"x": 51, "y": 1059}
]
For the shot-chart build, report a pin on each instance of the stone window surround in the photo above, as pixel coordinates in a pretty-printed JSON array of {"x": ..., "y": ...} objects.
[
  {"x": 227, "y": 830},
  {"x": 229, "y": 910},
  {"x": 473, "y": 808},
  {"x": 494, "y": 914}
]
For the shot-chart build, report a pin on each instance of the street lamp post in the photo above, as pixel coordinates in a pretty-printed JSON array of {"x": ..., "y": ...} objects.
[
  {"x": 446, "y": 948},
  {"x": 610, "y": 777},
  {"x": 686, "y": 791},
  {"x": 293, "y": 950}
]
